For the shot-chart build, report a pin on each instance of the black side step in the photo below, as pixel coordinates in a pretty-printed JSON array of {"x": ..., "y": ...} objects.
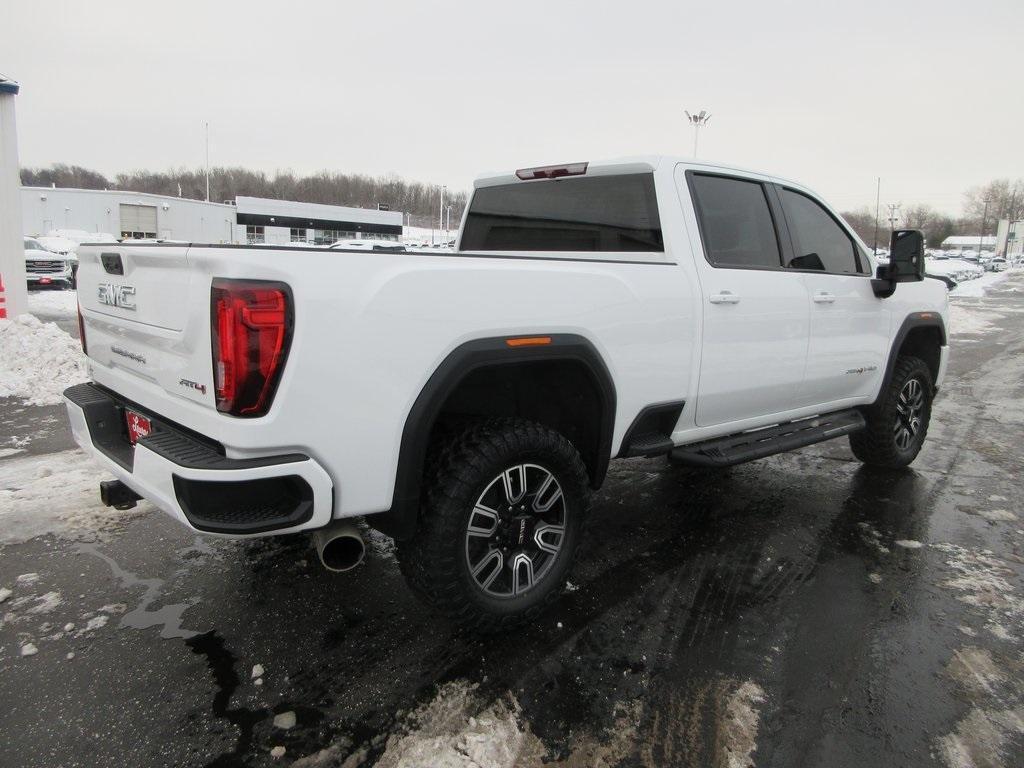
[{"x": 758, "y": 443}]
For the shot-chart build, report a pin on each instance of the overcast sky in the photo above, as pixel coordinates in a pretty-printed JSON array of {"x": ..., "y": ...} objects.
[{"x": 928, "y": 95}]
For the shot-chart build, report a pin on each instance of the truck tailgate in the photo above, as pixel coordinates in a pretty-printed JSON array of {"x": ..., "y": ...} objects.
[{"x": 147, "y": 314}]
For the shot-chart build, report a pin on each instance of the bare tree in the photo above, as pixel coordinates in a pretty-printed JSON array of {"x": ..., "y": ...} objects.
[
  {"x": 333, "y": 188},
  {"x": 862, "y": 221},
  {"x": 1005, "y": 201},
  {"x": 61, "y": 175}
]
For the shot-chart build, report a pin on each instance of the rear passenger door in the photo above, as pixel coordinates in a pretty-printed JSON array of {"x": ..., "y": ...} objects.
[
  {"x": 849, "y": 325},
  {"x": 755, "y": 311}
]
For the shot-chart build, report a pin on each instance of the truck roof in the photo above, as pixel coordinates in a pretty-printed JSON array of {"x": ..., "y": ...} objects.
[{"x": 634, "y": 164}]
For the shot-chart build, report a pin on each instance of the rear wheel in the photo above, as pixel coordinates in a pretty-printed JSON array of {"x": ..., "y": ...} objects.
[
  {"x": 500, "y": 526},
  {"x": 898, "y": 423}
]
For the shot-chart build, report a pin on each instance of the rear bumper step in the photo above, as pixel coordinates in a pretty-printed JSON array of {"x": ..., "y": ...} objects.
[
  {"x": 759, "y": 443},
  {"x": 189, "y": 477}
]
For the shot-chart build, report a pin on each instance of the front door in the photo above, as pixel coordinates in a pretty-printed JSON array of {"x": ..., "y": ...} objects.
[
  {"x": 756, "y": 316},
  {"x": 849, "y": 325}
]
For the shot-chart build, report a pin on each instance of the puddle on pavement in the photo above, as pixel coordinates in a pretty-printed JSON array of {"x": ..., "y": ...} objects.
[{"x": 167, "y": 616}]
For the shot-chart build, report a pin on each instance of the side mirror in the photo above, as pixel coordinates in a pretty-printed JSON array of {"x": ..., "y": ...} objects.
[
  {"x": 906, "y": 262},
  {"x": 906, "y": 256}
]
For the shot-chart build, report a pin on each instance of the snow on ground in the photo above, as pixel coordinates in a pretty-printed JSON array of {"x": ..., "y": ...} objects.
[
  {"x": 986, "y": 735},
  {"x": 38, "y": 361},
  {"x": 455, "y": 731},
  {"x": 969, "y": 320},
  {"x": 986, "y": 582},
  {"x": 740, "y": 728},
  {"x": 979, "y": 287},
  {"x": 420, "y": 235},
  {"x": 53, "y": 303},
  {"x": 458, "y": 728},
  {"x": 56, "y": 493}
]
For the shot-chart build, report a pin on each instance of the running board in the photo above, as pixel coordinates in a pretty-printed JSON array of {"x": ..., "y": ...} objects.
[{"x": 758, "y": 443}]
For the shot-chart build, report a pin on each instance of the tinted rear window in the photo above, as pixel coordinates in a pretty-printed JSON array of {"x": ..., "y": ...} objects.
[
  {"x": 736, "y": 222},
  {"x": 599, "y": 213}
]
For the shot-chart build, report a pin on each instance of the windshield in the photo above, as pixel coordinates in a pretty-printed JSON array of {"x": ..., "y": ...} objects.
[{"x": 33, "y": 245}]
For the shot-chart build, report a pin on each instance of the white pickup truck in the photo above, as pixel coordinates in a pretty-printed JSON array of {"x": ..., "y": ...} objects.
[{"x": 466, "y": 402}]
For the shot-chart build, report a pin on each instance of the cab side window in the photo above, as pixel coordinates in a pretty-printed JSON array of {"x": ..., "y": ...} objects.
[
  {"x": 819, "y": 241},
  {"x": 736, "y": 223}
]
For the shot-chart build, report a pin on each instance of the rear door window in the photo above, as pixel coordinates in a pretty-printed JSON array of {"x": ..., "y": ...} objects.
[
  {"x": 820, "y": 243},
  {"x": 736, "y": 222},
  {"x": 597, "y": 213}
]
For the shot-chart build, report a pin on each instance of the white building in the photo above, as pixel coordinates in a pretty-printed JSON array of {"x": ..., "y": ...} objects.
[
  {"x": 285, "y": 221},
  {"x": 1010, "y": 239},
  {"x": 137, "y": 215},
  {"x": 969, "y": 243}
]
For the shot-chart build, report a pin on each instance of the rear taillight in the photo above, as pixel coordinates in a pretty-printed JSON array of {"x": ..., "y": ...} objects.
[
  {"x": 81, "y": 331},
  {"x": 251, "y": 326}
]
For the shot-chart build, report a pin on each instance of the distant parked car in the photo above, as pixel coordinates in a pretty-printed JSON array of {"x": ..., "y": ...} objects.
[
  {"x": 955, "y": 269},
  {"x": 55, "y": 244},
  {"x": 999, "y": 264},
  {"x": 368, "y": 244},
  {"x": 44, "y": 268},
  {"x": 65, "y": 242}
]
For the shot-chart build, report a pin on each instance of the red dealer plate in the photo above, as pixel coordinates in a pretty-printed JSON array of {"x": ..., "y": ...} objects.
[{"x": 138, "y": 426}]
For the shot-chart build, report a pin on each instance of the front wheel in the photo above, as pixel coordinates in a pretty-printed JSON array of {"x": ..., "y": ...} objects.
[
  {"x": 500, "y": 526},
  {"x": 898, "y": 423}
]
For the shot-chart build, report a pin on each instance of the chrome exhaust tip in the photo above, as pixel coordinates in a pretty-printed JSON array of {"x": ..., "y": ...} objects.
[{"x": 339, "y": 546}]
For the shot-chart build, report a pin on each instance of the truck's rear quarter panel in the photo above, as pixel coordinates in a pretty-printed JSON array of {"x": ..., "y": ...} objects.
[{"x": 370, "y": 328}]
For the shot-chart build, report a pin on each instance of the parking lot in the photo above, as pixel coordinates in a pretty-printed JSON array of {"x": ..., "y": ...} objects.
[{"x": 799, "y": 610}]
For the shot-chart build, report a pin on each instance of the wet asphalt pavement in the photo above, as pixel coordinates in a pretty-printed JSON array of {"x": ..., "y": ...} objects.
[{"x": 865, "y": 618}]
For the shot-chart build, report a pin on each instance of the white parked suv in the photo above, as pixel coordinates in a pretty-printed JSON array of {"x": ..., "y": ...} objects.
[{"x": 466, "y": 402}]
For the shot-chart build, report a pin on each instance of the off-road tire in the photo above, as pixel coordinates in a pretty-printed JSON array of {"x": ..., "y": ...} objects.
[
  {"x": 434, "y": 560},
  {"x": 877, "y": 445}
]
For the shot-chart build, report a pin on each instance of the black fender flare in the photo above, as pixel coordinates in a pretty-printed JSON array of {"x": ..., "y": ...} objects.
[
  {"x": 911, "y": 322},
  {"x": 400, "y": 520}
]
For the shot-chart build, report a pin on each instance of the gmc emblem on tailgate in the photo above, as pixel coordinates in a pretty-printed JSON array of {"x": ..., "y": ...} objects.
[{"x": 122, "y": 296}]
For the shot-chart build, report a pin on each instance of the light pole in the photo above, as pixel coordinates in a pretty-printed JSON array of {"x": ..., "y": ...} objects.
[
  {"x": 697, "y": 121},
  {"x": 981, "y": 237},
  {"x": 207, "y": 162},
  {"x": 878, "y": 207},
  {"x": 894, "y": 217},
  {"x": 440, "y": 212}
]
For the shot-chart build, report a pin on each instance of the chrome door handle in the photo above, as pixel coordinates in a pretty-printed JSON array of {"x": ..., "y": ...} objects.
[
  {"x": 824, "y": 297},
  {"x": 725, "y": 297}
]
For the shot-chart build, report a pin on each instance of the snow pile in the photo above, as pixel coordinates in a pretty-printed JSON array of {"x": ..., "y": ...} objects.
[
  {"x": 57, "y": 303},
  {"x": 454, "y": 730},
  {"x": 38, "y": 361},
  {"x": 978, "y": 288},
  {"x": 56, "y": 493},
  {"x": 741, "y": 725}
]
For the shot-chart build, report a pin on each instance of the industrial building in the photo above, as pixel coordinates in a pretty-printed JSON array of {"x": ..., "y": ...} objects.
[
  {"x": 1010, "y": 239},
  {"x": 138, "y": 215},
  {"x": 969, "y": 243},
  {"x": 286, "y": 221}
]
